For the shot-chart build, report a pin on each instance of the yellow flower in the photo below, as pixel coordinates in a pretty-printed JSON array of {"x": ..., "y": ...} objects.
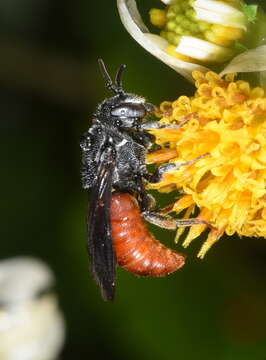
[{"x": 226, "y": 121}]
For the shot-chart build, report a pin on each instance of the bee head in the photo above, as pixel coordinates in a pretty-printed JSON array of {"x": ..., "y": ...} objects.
[{"x": 123, "y": 110}]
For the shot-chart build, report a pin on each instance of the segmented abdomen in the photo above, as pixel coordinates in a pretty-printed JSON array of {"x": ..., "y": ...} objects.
[{"x": 137, "y": 251}]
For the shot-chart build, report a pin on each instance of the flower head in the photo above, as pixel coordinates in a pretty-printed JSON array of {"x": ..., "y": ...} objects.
[
  {"x": 200, "y": 30},
  {"x": 226, "y": 121},
  {"x": 31, "y": 323},
  {"x": 195, "y": 33}
]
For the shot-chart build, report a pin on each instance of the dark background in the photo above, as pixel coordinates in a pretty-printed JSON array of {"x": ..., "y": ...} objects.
[{"x": 49, "y": 86}]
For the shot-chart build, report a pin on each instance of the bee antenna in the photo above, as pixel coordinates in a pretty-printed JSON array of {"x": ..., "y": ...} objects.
[
  {"x": 117, "y": 89},
  {"x": 118, "y": 77}
]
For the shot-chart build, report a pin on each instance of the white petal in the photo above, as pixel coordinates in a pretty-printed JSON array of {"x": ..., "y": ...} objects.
[
  {"x": 31, "y": 326},
  {"x": 21, "y": 278},
  {"x": 253, "y": 60},
  {"x": 218, "y": 12},
  {"x": 35, "y": 330},
  {"x": 214, "y": 5},
  {"x": 202, "y": 50},
  {"x": 132, "y": 21},
  {"x": 214, "y": 17},
  {"x": 166, "y": 2}
]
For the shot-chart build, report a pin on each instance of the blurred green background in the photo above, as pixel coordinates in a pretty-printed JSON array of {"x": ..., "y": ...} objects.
[{"x": 50, "y": 86}]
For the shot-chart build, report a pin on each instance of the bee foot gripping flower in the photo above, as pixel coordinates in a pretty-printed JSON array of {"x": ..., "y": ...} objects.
[{"x": 227, "y": 120}]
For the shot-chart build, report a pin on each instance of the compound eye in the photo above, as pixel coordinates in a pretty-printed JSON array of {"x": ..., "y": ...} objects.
[{"x": 129, "y": 111}]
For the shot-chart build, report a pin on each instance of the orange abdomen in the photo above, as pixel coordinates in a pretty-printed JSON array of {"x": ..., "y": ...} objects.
[{"x": 137, "y": 251}]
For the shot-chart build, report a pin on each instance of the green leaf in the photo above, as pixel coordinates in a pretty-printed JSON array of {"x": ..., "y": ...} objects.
[{"x": 250, "y": 11}]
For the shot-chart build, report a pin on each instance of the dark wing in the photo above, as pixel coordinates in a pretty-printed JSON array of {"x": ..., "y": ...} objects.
[{"x": 100, "y": 244}]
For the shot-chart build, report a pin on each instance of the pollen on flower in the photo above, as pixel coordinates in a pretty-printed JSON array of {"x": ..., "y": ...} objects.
[{"x": 226, "y": 120}]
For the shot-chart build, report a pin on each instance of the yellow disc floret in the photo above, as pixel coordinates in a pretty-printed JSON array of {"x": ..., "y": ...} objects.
[
  {"x": 226, "y": 121},
  {"x": 158, "y": 17}
]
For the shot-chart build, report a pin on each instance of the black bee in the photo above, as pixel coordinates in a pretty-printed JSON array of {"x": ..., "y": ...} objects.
[{"x": 113, "y": 159}]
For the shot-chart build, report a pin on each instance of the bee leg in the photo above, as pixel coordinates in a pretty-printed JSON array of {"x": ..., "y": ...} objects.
[
  {"x": 167, "y": 209},
  {"x": 153, "y": 125},
  {"x": 144, "y": 138},
  {"x": 169, "y": 167},
  {"x": 167, "y": 222},
  {"x": 146, "y": 201},
  {"x": 160, "y": 218}
]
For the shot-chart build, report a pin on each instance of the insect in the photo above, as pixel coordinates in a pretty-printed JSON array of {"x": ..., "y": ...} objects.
[
  {"x": 113, "y": 168},
  {"x": 136, "y": 249}
]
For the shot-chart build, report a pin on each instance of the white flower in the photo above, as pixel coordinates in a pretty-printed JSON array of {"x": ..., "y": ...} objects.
[
  {"x": 155, "y": 44},
  {"x": 31, "y": 325},
  {"x": 182, "y": 56}
]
